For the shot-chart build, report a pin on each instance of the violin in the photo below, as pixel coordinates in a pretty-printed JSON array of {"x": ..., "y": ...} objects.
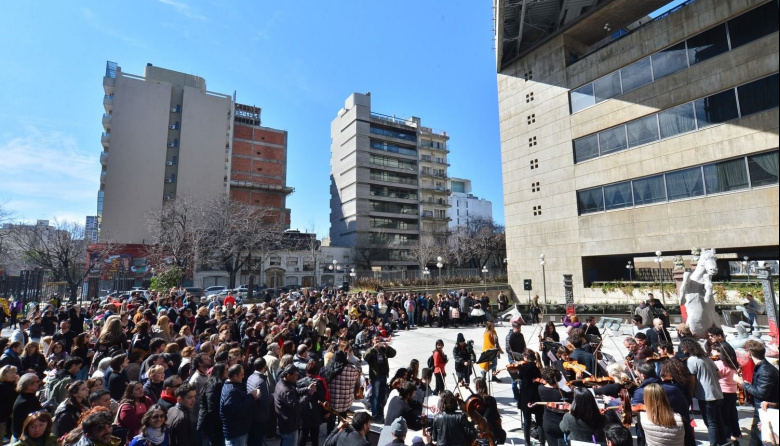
[
  {"x": 659, "y": 358},
  {"x": 563, "y": 407},
  {"x": 591, "y": 381},
  {"x": 541, "y": 381},
  {"x": 574, "y": 366}
]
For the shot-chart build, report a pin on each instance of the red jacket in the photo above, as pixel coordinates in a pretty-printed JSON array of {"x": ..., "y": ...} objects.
[{"x": 438, "y": 362}]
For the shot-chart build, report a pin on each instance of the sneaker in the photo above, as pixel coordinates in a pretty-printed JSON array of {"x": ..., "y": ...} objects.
[{"x": 496, "y": 379}]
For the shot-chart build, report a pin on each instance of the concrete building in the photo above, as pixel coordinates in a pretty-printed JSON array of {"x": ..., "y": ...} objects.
[
  {"x": 91, "y": 228},
  {"x": 166, "y": 135},
  {"x": 464, "y": 205},
  {"x": 617, "y": 143},
  {"x": 388, "y": 184},
  {"x": 15, "y": 238}
]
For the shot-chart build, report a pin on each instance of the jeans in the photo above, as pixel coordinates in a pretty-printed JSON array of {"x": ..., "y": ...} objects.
[
  {"x": 237, "y": 441},
  {"x": 730, "y": 415},
  {"x": 378, "y": 391},
  {"x": 515, "y": 384},
  {"x": 411, "y": 318},
  {"x": 311, "y": 434},
  {"x": 288, "y": 439},
  {"x": 711, "y": 413},
  {"x": 755, "y": 432}
]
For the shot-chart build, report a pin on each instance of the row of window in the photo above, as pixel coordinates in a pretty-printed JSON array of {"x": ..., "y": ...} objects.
[
  {"x": 727, "y": 36},
  {"x": 380, "y": 175},
  {"x": 723, "y": 176},
  {"x": 394, "y": 133},
  {"x": 733, "y": 103},
  {"x": 393, "y": 162},
  {"x": 433, "y": 144},
  {"x": 393, "y": 193},
  {"x": 390, "y": 223},
  {"x": 391, "y": 239},
  {"x": 380, "y": 206},
  {"x": 388, "y": 147}
]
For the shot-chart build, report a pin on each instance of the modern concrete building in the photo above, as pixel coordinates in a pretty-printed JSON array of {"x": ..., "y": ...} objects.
[
  {"x": 388, "y": 184},
  {"x": 617, "y": 143},
  {"x": 464, "y": 205},
  {"x": 166, "y": 135},
  {"x": 91, "y": 228}
]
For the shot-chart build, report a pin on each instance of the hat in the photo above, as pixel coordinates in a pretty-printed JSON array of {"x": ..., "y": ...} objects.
[
  {"x": 417, "y": 440},
  {"x": 398, "y": 428},
  {"x": 461, "y": 338}
]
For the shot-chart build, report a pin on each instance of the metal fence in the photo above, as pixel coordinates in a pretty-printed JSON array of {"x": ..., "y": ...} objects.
[
  {"x": 433, "y": 274},
  {"x": 27, "y": 286}
]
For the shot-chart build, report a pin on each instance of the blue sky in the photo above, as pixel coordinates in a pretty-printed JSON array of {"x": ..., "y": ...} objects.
[{"x": 298, "y": 61}]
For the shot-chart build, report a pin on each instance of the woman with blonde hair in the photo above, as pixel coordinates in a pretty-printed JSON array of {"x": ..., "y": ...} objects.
[
  {"x": 186, "y": 333},
  {"x": 8, "y": 378},
  {"x": 163, "y": 330},
  {"x": 662, "y": 426},
  {"x": 111, "y": 342},
  {"x": 33, "y": 359},
  {"x": 490, "y": 341}
]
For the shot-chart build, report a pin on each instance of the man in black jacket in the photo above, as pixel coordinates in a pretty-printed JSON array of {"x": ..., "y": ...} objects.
[
  {"x": 378, "y": 369},
  {"x": 288, "y": 402},
  {"x": 179, "y": 419},
  {"x": 464, "y": 357},
  {"x": 353, "y": 434},
  {"x": 515, "y": 346},
  {"x": 235, "y": 407},
  {"x": 26, "y": 403},
  {"x": 764, "y": 387}
]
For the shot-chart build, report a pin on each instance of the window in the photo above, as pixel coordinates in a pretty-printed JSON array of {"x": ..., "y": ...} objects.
[
  {"x": 642, "y": 131},
  {"x": 763, "y": 169},
  {"x": 275, "y": 261},
  {"x": 607, "y": 87},
  {"x": 292, "y": 261},
  {"x": 586, "y": 148},
  {"x": 612, "y": 140},
  {"x": 759, "y": 95},
  {"x": 715, "y": 109},
  {"x": 684, "y": 183},
  {"x": 670, "y": 60},
  {"x": 582, "y": 97},
  {"x": 677, "y": 120},
  {"x": 649, "y": 190},
  {"x": 726, "y": 176},
  {"x": 753, "y": 25},
  {"x": 708, "y": 44},
  {"x": 636, "y": 75},
  {"x": 618, "y": 196},
  {"x": 590, "y": 200}
]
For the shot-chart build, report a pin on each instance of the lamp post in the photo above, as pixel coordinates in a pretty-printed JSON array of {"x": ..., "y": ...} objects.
[
  {"x": 660, "y": 259},
  {"x": 352, "y": 276},
  {"x": 544, "y": 278},
  {"x": 629, "y": 267},
  {"x": 335, "y": 268},
  {"x": 747, "y": 267},
  {"x": 484, "y": 276},
  {"x": 439, "y": 264},
  {"x": 426, "y": 272}
]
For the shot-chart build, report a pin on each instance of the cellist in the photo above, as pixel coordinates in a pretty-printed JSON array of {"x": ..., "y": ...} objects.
[{"x": 451, "y": 427}]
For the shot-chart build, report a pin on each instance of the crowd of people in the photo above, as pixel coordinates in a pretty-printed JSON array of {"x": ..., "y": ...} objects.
[{"x": 178, "y": 370}]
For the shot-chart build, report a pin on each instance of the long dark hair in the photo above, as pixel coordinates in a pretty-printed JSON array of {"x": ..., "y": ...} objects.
[
  {"x": 127, "y": 396},
  {"x": 146, "y": 421},
  {"x": 549, "y": 328},
  {"x": 584, "y": 408}
]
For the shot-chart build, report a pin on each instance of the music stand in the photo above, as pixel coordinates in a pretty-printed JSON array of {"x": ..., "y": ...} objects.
[{"x": 488, "y": 356}]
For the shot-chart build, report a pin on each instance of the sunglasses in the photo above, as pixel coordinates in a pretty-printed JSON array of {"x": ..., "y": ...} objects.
[{"x": 157, "y": 417}]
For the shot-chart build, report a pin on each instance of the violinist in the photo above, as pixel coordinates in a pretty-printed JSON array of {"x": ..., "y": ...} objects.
[
  {"x": 707, "y": 391},
  {"x": 402, "y": 406},
  {"x": 451, "y": 427},
  {"x": 463, "y": 355},
  {"x": 527, "y": 393},
  {"x": 563, "y": 355},
  {"x": 581, "y": 356},
  {"x": 763, "y": 389},
  {"x": 584, "y": 422},
  {"x": 515, "y": 346},
  {"x": 715, "y": 336},
  {"x": 631, "y": 345},
  {"x": 619, "y": 379},
  {"x": 550, "y": 335},
  {"x": 490, "y": 411},
  {"x": 590, "y": 326},
  {"x": 676, "y": 373},
  {"x": 659, "y": 332},
  {"x": 645, "y": 372},
  {"x": 730, "y": 389},
  {"x": 550, "y": 392}
]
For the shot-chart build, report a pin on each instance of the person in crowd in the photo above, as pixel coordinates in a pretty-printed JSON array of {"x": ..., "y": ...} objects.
[
  {"x": 67, "y": 415},
  {"x": 154, "y": 431},
  {"x": 65, "y": 335},
  {"x": 235, "y": 407},
  {"x": 8, "y": 394},
  {"x": 33, "y": 359},
  {"x": 583, "y": 422},
  {"x": 288, "y": 402},
  {"x": 729, "y": 387},
  {"x": 153, "y": 386},
  {"x": 116, "y": 379},
  {"x": 312, "y": 413},
  {"x": 618, "y": 435},
  {"x": 464, "y": 357},
  {"x": 97, "y": 430},
  {"x": 57, "y": 387},
  {"x": 179, "y": 417},
  {"x": 263, "y": 406},
  {"x": 490, "y": 341},
  {"x": 645, "y": 373},
  {"x": 26, "y": 403},
  {"x": 342, "y": 379},
  {"x": 765, "y": 387},
  {"x": 661, "y": 425},
  {"x": 378, "y": 370},
  {"x": 707, "y": 392},
  {"x": 354, "y": 433},
  {"x": 21, "y": 335},
  {"x": 132, "y": 406},
  {"x": 168, "y": 395},
  {"x": 11, "y": 356},
  {"x": 209, "y": 419},
  {"x": 37, "y": 430}
]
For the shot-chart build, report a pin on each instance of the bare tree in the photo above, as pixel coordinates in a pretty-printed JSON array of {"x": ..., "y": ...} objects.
[
  {"x": 266, "y": 240},
  {"x": 313, "y": 248},
  {"x": 488, "y": 241},
  {"x": 425, "y": 250},
  {"x": 175, "y": 233},
  {"x": 366, "y": 252},
  {"x": 459, "y": 245},
  {"x": 60, "y": 249}
]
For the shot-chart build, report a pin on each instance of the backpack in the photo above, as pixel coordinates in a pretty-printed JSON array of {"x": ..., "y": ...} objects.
[{"x": 430, "y": 362}]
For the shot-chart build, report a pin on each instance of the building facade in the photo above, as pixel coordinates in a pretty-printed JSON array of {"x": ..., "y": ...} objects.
[
  {"x": 91, "y": 228},
  {"x": 166, "y": 135},
  {"x": 617, "y": 143},
  {"x": 388, "y": 184},
  {"x": 464, "y": 205}
]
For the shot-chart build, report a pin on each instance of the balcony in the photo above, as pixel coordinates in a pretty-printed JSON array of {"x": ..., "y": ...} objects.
[
  {"x": 103, "y": 158},
  {"x": 428, "y": 215},
  {"x": 433, "y": 173},
  {"x": 435, "y": 189},
  {"x": 108, "y": 102},
  {"x": 106, "y": 122},
  {"x": 104, "y": 139},
  {"x": 437, "y": 202},
  {"x": 434, "y": 160},
  {"x": 394, "y": 179},
  {"x": 108, "y": 84},
  {"x": 103, "y": 177}
]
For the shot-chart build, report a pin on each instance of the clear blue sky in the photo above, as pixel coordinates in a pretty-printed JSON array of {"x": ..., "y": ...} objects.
[{"x": 298, "y": 61}]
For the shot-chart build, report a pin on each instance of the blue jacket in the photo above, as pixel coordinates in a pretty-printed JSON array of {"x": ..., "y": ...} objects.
[
  {"x": 235, "y": 409},
  {"x": 765, "y": 383},
  {"x": 676, "y": 398}
]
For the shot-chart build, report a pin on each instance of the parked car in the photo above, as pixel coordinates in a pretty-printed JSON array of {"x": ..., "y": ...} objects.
[
  {"x": 216, "y": 289},
  {"x": 195, "y": 291}
]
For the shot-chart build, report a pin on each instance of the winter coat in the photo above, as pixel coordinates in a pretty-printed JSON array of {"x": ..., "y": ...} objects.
[
  {"x": 182, "y": 431},
  {"x": 66, "y": 418},
  {"x": 235, "y": 410},
  {"x": 656, "y": 435},
  {"x": 208, "y": 413},
  {"x": 288, "y": 403}
]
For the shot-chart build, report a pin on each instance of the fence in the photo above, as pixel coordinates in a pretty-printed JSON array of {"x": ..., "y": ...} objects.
[{"x": 27, "y": 286}]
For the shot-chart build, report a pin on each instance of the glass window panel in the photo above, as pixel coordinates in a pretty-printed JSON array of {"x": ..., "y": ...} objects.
[
  {"x": 607, "y": 87},
  {"x": 684, "y": 183},
  {"x": 763, "y": 169},
  {"x": 759, "y": 95},
  {"x": 636, "y": 75},
  {"x": 708, "y": 44},
  {"x": 649, "y": 190},
  {"x": 670, "y": 60},
  {"x": 618, "y": 196},
  {"x": 582, "y": 98},
  {"x": 586, "y": 148},
  {"x": 613, "y": 140},
  {"x": 642, "y": 131},
  {"x": 753, "y": 25},
  {"x": 677, "y": 120},
  {"x": 715, "y": 109},
  {"x": 726, "y": 176},
  {"x": 590, "y": 200}
]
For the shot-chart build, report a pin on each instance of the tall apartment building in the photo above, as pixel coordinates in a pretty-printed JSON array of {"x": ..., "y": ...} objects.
[
  {"x": 465, "y": 205},
  {"x": 166, "y": 135},
  {"x": 388, "y": 184},
  {"x": 619, "y": 143},
  {"x": 91, "y": 228}
]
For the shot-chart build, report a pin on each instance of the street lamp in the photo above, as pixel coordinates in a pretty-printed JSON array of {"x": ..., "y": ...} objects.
[
  {"x": 352, "y": 275},
  {"x": 629, "y": 267},
  {"x": 660, "y": 259},
  {"x": 544, "y": 278},
  {"x": 335, "y": 268},
  {"x": 439, "y": 264},
  {"x": 426, "y": 272},
  {"x": 484, "y": 276},
  {"x": 746, "y": 264}
]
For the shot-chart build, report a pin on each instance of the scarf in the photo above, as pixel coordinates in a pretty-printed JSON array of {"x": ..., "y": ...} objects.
[
  {"x": 167, "y": 397},
  {"x": 156, "y": 436}
]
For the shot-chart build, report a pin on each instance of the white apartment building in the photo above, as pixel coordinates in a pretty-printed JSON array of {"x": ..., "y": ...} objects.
[{"x": 464, "y": 205}]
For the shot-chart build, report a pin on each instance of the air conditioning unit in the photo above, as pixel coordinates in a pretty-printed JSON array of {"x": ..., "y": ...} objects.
[
  {"x": 171, "y": 144},
  {"x": 174, "y": 110},
  {"x": 169, "y": 163},
  {"x": 173, "y": 126},
  {"x": 167, "y": 197},
  {"x": 169, "y": 180}
]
